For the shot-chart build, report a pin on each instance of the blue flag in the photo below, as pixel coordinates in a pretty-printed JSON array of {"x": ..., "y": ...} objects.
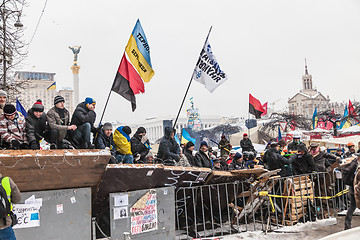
[
  {"x": 279, "y": 137},
  {"x": 314, "y": 119},
  {"x": 20, "y": 108}
]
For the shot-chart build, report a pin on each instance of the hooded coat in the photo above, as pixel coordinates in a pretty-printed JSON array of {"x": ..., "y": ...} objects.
[
  {"x": 82, "y": 115},
  {"x": 35, "y": 127},
  {"x": 137, "y": 147},
  {"x": 202, "y": 159},
  {"x": 122, "y": 141},
  {"x": 168, "y": 148}
]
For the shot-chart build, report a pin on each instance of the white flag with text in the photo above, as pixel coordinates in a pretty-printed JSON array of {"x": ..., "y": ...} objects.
[{"x": 207, "y": 70}]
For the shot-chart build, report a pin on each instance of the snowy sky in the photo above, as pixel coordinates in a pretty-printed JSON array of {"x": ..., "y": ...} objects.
[{"x": 260, "y": 44}]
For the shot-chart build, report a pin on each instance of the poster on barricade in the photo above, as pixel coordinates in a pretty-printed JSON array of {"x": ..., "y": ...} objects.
[
  {"x": 27, "y": 214},
  {"x": 144, "y": 214}
]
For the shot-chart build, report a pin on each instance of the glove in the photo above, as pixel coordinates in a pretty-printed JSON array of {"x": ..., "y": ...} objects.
[
  {"x": 15, "y": 144},
  {"x": 144, "y": 139},
  {"x": 33, "y": 145}
]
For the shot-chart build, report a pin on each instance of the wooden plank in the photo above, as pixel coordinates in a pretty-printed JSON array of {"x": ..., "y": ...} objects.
[{"x": 38, "y": 170}]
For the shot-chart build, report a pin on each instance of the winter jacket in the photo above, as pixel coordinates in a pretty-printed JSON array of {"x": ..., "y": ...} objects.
[
  {"x": 15, "y": 198},
  {"x": 13, "y": 130},
  {"x": 183, "y": 162},
  {"x": 303, "y": 164},
  {"x": 348, "y": 154},
  {"x": 168, "y": 148},
  {"x": 83, "y": 115},
  {"x": 246, "y": 145},
  {"x": 236, "y": 165},
  {"x": 55, "y": 121},
  {"x": 102, "y": 141},
  {"x": 357, "y": 187},
  {"x": 293, "y": 146},
  {"x": 321, "y": 160},
  {"x": 137, "y": 147},
  {"x": 202, "y": 160},
  {"x": 224, "y": 143},
  {"x": 274, "y": 160},
  {"x": 35, "y": 127},
  {"x": 122, "y": 141},
  {"x": 190, "y": 157}
]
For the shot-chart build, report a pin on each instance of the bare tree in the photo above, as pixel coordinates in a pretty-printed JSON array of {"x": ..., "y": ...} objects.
[{"x": 12, "y": 48}]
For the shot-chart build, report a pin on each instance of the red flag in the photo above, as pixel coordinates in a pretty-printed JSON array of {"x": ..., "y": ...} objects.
[
  {"x": 292, "y": 125},
  {"x": 351, "y": 109},
  {"x": 265, "y": 108},
  {"x": 255, "y": 107}
]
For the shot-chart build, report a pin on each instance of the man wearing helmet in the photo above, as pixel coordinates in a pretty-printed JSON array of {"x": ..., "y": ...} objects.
[{"x": 351, "y": 151}]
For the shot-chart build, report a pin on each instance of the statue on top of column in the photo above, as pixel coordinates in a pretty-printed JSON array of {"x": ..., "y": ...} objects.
[{"x": 75, "y": 50}]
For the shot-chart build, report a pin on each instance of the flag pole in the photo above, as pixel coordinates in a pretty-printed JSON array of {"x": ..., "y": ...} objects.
[
  {"x": 107, "y": 100},
  {"x": 187, "y": 90}
]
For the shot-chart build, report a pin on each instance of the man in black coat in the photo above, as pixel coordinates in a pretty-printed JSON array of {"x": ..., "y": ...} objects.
[
  {"x": 321, "y": 158},
  {"x": 84, "y": 117},
  {"x": 37, "y": 128},
  {"x": 188, "y": 152},
  {"x": 274, "y": 160},
  {"x": 202, "y": 157},
  {"x": 246, "y": 144},
  {"x": 169, "y": 149},
  {"x": 140, "y": 145},
  {"x": 237, "y": 163},
  {"x": 104, "y": 138},
  {"x": 302, "y": 161}
]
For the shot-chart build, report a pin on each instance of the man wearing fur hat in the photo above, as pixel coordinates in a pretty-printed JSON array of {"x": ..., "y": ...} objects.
[
  {"x": 3, "y": 98},
  {"x": 12, "y": 128},
  {"x": 37, "y": 128},
  {"x": 84, "y": 117}
]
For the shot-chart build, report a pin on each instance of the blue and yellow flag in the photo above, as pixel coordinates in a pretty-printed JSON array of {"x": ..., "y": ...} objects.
[
  {"x": 185, "y": 137},
  {"x": 314, "y": 119},
  {"x": 52, "y": 86},
  {"x": 345, "y": 123}
]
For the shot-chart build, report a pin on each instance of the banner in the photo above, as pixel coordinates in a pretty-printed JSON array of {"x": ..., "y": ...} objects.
[
  {"x": 27, "y": 215},
  {"x": 207, "y": 70}
]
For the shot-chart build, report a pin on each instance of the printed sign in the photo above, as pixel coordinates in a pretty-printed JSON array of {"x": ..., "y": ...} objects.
[
  {"x": 120, "y": 212},
  {"x": 27, "y": 215},
  {"x": 144, "y": 213},
  {"x": 121, "y": 200}
]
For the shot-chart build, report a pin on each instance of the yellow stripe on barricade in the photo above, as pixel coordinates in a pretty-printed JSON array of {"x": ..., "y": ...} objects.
[{"x": 265, "y": 193}]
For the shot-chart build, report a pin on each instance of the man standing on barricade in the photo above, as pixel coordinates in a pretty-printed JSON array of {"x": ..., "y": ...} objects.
[
  {"x": 321, "y": 158},
  {"x": 302, "y": 161}
]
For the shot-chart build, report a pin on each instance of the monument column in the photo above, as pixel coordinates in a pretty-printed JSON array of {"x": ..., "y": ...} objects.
[{"x": 75, "y": 69}]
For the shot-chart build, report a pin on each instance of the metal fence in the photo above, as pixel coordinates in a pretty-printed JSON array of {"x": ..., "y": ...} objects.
[{"x": 265, "y": 204}]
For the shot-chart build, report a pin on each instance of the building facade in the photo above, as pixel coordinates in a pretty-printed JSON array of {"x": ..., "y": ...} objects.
[
  {"x": 305, "y": 101},
  {"x": 41, "y": 85}
]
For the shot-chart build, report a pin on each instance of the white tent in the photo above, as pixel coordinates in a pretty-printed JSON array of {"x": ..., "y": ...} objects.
[
  {"x": 349, "y": 130},
  {"x": 337, "y": 142}
]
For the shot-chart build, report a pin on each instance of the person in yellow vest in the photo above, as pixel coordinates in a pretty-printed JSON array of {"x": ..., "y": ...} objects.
[
  {"x": 13, "y": 196},
  {"x": 123, "y": 145}
]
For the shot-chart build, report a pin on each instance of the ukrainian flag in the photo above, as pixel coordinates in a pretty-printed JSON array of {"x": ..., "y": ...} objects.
[
  {"x": 314, "y": 119},
  {"x": 185, "y": 137},
  {"x": 52, "y": 86}
]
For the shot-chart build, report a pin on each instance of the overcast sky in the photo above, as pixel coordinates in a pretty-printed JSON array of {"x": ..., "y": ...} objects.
[{"x": 261, "y": 45}]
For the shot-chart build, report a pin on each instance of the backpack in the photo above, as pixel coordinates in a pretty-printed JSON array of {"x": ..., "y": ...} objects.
[
  {"x": 4, "y": 202},
  {"x": 348, "y": 172}
]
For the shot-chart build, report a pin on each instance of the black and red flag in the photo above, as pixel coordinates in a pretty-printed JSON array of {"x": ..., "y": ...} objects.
[{"x": 255, "y": 107}]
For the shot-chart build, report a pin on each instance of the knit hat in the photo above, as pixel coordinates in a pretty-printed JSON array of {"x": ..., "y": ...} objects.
[
  {"x": 237, "y": 156},
  {"x": 223, "y": 136},
  {"x": 38, "y": 106},
  {"x": 58, "y": 99},
  {"x": 127, "y": 130},
  {"x": 9, "y": 109},
  {"x": 89, "y": 100},
  {"x": 189, "y": 144},
  {"x": 3, "y": 93},
  {"x": 245, "y": 134},
  {"x": 302, "y": 147},
  {"x": 203, "y": 143},
  {"x": 107, "y": 126},
  {"x": 140, "y": 130}
]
